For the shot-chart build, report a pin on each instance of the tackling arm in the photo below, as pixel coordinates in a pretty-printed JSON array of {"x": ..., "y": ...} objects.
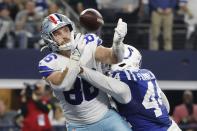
[
  {"x": 117, "y": 89},
  {"x": 65, "y": 79}
]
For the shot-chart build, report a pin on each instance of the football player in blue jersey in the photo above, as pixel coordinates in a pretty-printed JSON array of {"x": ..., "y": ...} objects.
[
  {"x": 85, "y": 107},
  {"x": 148, "y": 108}
]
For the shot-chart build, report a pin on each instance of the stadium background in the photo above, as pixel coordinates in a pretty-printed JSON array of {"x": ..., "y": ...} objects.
[{"x": 175, "y": 70}]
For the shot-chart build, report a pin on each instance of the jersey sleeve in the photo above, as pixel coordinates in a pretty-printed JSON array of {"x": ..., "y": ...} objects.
[
  {"x": 47, "y": 65},
  {"x": 124, "y": 76},
  {"x": 93, "y": 39}
]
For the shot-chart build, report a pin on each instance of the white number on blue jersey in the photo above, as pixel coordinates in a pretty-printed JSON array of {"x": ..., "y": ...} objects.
[
  {"x": 117, "y": 76},
  {"x": 152, "y": 98}
]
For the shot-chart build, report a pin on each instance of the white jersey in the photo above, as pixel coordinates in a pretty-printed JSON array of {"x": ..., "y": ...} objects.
[{"x": 82, "y": 104}]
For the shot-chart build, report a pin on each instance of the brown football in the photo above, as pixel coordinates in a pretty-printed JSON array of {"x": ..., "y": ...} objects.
[{"x": 91, "y": 19}]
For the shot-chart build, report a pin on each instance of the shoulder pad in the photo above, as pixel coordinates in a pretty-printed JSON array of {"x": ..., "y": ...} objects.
[
  {"x": 47, "y": 64},
  {"x": 93, "y": 38}
]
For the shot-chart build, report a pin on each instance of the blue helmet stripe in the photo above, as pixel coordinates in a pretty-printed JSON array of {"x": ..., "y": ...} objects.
[
  {"x": 130, "y": 53},
  {"x": 58, "y": 17}
]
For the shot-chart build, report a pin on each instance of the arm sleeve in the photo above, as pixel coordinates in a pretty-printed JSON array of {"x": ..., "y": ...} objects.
[
  {"x": 117, "y": 89},
  {"x": 118, "y": 51},
  {"x": 165, "y": 101}
]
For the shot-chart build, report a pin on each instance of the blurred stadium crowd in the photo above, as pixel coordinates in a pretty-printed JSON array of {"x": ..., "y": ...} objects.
[
  {"x": 20, "y": 21},
  {"x": 171, "y": 27}
]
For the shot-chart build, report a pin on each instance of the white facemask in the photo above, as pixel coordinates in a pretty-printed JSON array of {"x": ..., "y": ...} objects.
[{"x": 65, "y": 47}]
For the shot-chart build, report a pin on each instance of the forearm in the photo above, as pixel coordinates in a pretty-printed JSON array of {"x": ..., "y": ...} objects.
[
  {"x": 117, "y": 89},
  {"x": 118, "y": 52},
  {"x": 105, "y": 55},
  {"x": 66, "y": 78}
]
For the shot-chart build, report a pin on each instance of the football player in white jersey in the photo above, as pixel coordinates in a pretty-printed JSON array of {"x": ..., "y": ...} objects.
[
  {"x": 148, "y": 108},
  {"x": 85, "y": 107}
]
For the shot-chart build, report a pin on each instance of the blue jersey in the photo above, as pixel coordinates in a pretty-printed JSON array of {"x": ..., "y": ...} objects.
[{"x": 145, "y": 112}]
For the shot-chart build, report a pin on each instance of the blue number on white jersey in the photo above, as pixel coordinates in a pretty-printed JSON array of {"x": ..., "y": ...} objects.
[
  {"x": 50, "y": 57},
  {"x": 45, "y": 70},
  {"x": 91, "y": 38},
  {"x": 81, "y": 87}
]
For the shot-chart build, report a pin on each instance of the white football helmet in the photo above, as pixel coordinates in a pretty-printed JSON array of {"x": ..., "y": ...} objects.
[
  {"x": 132, "y": 58},
  {"x": 52, "y": 23}
]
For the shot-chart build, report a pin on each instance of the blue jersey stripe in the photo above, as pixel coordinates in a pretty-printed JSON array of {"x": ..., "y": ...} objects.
[{"x": 45, "y": 71}]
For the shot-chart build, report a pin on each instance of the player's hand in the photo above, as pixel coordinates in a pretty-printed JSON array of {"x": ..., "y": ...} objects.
[
  {"x": 120, "y": 32},
  {"x": 78, "y": 46}
]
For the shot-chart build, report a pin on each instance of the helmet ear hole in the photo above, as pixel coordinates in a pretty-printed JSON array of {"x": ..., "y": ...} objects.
[
  {"x": 122, "y": 64},
  {"x": 70, "y": 27}
]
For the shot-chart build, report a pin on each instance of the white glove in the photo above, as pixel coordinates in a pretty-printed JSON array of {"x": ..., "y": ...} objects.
[
  {"x": 78, "y": 46},
  {"x": 120, "y": 32}
]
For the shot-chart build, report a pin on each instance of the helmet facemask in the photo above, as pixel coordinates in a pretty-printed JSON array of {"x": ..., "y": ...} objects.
[{"x": 62, "y": 47}]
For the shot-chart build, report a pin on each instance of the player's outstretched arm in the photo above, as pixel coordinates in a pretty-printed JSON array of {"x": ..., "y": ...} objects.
[
  {"x": 117, "y": 89},
  {"x": 116, "y": 53},
  {"x": 65, "y": 79},
  {"x": 119, "y": 35}
]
